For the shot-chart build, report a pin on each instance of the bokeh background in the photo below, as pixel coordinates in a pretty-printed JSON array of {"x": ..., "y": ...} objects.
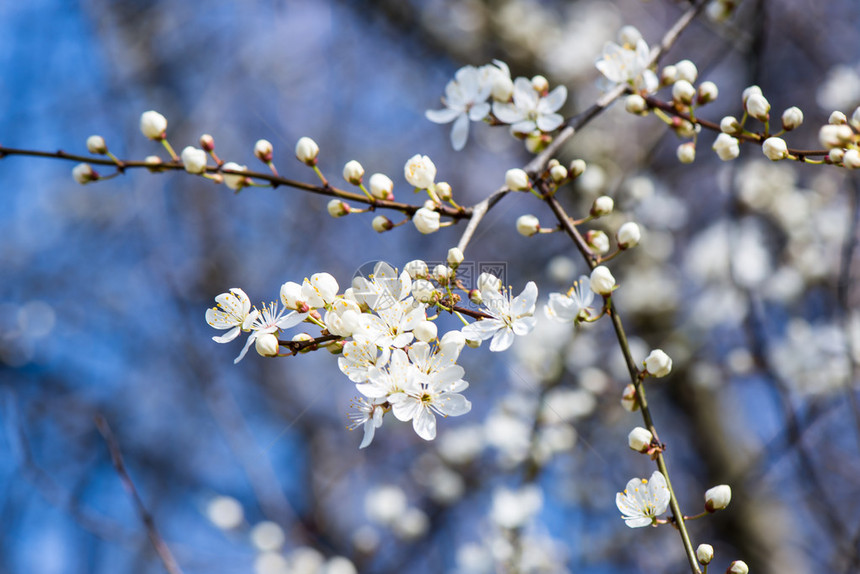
[{"x": 745, "y": 276}]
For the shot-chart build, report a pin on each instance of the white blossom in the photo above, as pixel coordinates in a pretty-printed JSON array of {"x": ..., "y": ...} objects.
[
  {"x": 307, "y": 151},
  {"x": 628, "y": 65},
  {"x": 628, "y": 235},
  {"x": 575, "y": 305},
  {"x": 639, "y": 439},
  {"x": 270, "y": 320},
  {"x": 658, "y": 363},
  {"x": 718, "y": 497},
  {"x": 602, "y": 281},
  {"x": 420, "y": 171},
  {"x": 153, "y": 125},
  {"x": 643, "y": 500},
  {"x": 509, "y": 317},
  {"x": 530, "y": 111},
  {"x": 465, "y": 99},
  {"x": 194, "y": 159},
  {"x": 232, "y": 312},
  {"x": 367, "y": 415}
]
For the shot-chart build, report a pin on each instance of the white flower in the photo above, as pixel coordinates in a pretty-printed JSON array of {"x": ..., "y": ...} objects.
[
  {"x": 433, "y": 391},
  {"x": 381, "y": 186},
  {"x": 643, "y": 500},
  {"x": 628, "y": 65},
  {"x": 509, "y": 317},
  {"x": 194, "y": 159},
  {"x": 426, "y": 220},
  {"x": 727, "y": 147},
  {"x": 574, "y": 306},
  {"x": 420, "y": 171},
  {"x": 343, "y": 317},
  {"x": 488, "y": 281},
  {"x": 383, "y": 288},
  {"x": 270, "y": 320},
  {"x": 307, "y": 151},
  {"x": 234, "y": 181},
  {"x": 358, "y": 357},
  {"x": 84, "y": 173},
  {"x": 639, "y": 439},
  {"x": 517, "y": 180},
  {"x": 465, "y": 99},
  {"x": 774, "y": 148},
  {"x": 384, "y": 380},
  {"x": 320, "y": 290},
  {"x": 368, "y": 415},
  {"x": 426, "y": 331},
  {"x": 602, "y": 281},
  {"x": 392, "y": 326},
  {"x": 498, "y": 76},
  {"x": 718, "y": 497},
  {"x": 153, "y": 125},
  {"x": 658, "y": 363},
  {"x": 792, "y": 118},
  {"x": 529, "y": 110},
  {"x": 232, "y": 312}
]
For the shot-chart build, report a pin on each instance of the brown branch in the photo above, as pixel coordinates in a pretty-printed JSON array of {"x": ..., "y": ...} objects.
[{"x": 116, "y": 457}]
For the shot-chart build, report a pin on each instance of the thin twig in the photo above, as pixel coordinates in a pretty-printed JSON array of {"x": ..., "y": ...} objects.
[{"x": 116, "y": 457}]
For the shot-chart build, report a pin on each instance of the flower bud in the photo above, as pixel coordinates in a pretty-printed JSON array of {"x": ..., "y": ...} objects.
[
  {"x": 774, "y": 148},
  {"x": 442, "y": 273},
  {"x": 517, "y": 180},
  {"x": 628, "y": 235},
  {"x": 353, "y": 172},
  {"x": 307, "y": 151},
  {"x": 416, "y": 269},
  {"x": 727, "y": 147},
  {"x": 602, "y": 281},
  {"x": 558, "y": 173},
  {"x": 207, "y": 142},
  {"x": 423, "y": 291},
  {"x": 425, "y": 331},
  {"x": 832, "y": 136},
  {"x": 658, "y": 363},
  {"x": 687, "y": 71},
  {"x": 636, "y": 104},
  {"x": 540, "y": 84},
  {"x": 683, "y": 92},
  {"x": 194, "y": 159},
  {"x": 488, "y": 281},
  {"x": 381, "y": 186},
  {"x": 855, "y": 119},
  {"x": 96, "y": 144},
  {"x": 234, "y": 181},
  {"x": 707, "y": 93},
  {"x": 153, "y": 125},
  {"x": 749, "y": 92},
  {"x": 718, "y": 497},
  {"x": 738, "y": 567},
  {"x": 381, "y": 224},
  {"x": 263, "y": 150},
  {"x": 705, "y": 553},
  {"x": 443, "y": 190},
  {"x": 603, "y": 205},
  {"x": 640, "y": 439},
  {"x": 84, "y": 173},
  {"x": 303, "y": 338},
  {"x": 426, "y": 220},
  {"x": 337, "y": 208},
  {"x": 267, "y": 345},
  {"x": 792, "y": 118},
  {"x": 153, "y": 162},
  {"x": 476, "y": 297},
  {"x": 851, "y": 159},
  {"x": 686, "y": 152},
  {"x": 577, "y": 167},
  {"x": 420, "y": 172},
  {"x": 629, "y": 400},
  {"x": 836, "y": 155},
  {"x": 668, "y": 75},
  {"x": 598, "y": 241},
  {"x": 837, "y": 119},
  {"x": 455, "y": 257},
  {"x": 730, "y": 125},
  {"x": 629, "y": 36},
  {"x": 528, "y": 225},
  {"x": 685, "y": 129},
  {"x": 758, "y": 107}
]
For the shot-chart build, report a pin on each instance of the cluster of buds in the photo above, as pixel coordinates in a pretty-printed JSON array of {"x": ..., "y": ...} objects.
[{"x": 840, "y": 137}]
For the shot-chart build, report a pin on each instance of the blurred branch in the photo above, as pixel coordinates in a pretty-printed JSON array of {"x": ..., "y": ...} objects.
[{"x": 116, "y": 457}]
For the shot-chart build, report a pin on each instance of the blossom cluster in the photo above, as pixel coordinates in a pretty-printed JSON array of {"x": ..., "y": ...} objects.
[
  {"x": 379, "y": 326},
  {"x": 527, "y": 105}
]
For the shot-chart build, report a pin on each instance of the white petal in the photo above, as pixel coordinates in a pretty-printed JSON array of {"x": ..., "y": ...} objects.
[
  {"x": 554, "y": 100},
  {"x": 479, "y": 111},
  {"x": 452, "y": 404},
  {"x": 524, "y": 303},
  {"x": 549, "y": 122},
  {"x": 460, "y": 132},
  {"x": 503, "y": 339},
  {"x": 424, "y": 424},
  {"x": 228, "y": 336},
  {"x": 445, "y": 116},
  {"x": 251, "y": 338},
  {"x": 524, "y": 325},
  {"x": 506, "y": 113}
]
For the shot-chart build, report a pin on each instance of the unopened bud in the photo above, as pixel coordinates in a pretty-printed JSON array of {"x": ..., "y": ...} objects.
[
  {"x": 738, "y": 567},
  {"x": 629, "y": 400},
  {"x": 851, "y": 159},
  {"x": 207, "y": 142},
  {"x": 668, "y": 75},
  {"x": 705, "y": 553},
  {"x": 232, "y": 180},
  {"x": 416, "y": 269},
  {"x": 267, "y": 345},
  {"x": 774, "y": 148},
  {"x": 686, "y": 152},
  {"x": 96, "y": 144},
  {"x": 639, "y": 439},
  {"x": 598, "y": 241},
  {"x": 426, "y": 331},
  {"x": 337, "y": 208},
  {"x": 558, "y": 173},
  {"x": 528, "y": 225},
  {"x": 730, "y": 125},
  {"x": 381, "y": 224},
  {"x": 84, "y": 173},
  {"x": 577, "y": 167},
  {"x": 540, "y": 84},
  {"x": 381, "y": 186},
  {"x": 443, "y": 190},
  {"x": 263, "y": 150},
  {"x": 194, "y": 159},
  {"x": 423, "y": 291},
  {"x": 307, "y": 151},
  {"x": 683, "y": 92},
  {"x": 603, "y": 205},
  {"x": 635, "y": 104},
  {"x": 455, "y": 257},
  {"x": 476, "y": 297},
  {"x": 718, "y": 497},
  {"x": 153, "y": 125},
  {"x": 628, "y": 235},
  {"x": 707, "y": 93},
  {"x": 602, "y": 281},
  {"x": 658, "y": 363},
  {"x": 687, "y": 71},
  {"x": 792, "y": 118},
  {"x": 758, "y": 107},
  {"x": 837, "y": 119},
  {"x": 353, "y": 172},
  {"x": 517, "y": 180}
]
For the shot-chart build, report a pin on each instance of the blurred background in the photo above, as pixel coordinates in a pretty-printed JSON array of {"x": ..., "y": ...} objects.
[{"x": 745, "y": 276}]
